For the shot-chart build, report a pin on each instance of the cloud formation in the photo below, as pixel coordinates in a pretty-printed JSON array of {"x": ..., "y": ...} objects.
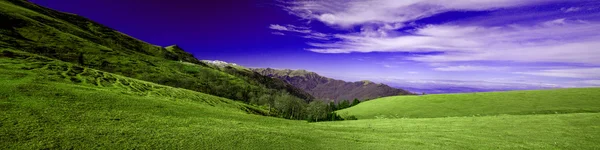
[
  {"x": 290, "y": 28},
  {"x": 552, "y": 41},
  {"x": 346, "y": 13},
  {"x": 585, "y": 73},
  {"x": 562, "y": 35},
  {"x": 570, "y": 9},
  {"x": 277, "y": 33},
  {"x": 469, "y": 68}
]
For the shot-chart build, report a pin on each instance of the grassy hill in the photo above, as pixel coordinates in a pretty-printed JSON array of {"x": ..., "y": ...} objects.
[
  {"x": 480, "y": 104},
  {"x": 75, "y": 39},
  {"x": 50, "y": 104}
]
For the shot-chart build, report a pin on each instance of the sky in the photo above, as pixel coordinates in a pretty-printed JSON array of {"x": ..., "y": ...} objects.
[{"x": 515, "y": 44}]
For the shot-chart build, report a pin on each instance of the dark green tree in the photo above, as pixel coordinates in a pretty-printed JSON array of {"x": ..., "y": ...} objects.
[
  {"x": 291, "y": 107},
  {"x": 332, "y": 106},
  {"x": 355, "y": 102},
  {"x": 344, "y": 104}
]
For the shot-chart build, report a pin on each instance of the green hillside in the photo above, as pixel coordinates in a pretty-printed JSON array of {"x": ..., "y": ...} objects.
[
  {"x": 75, "y": 39},
  {"x": 49, "y": 104},
  {"x": 480, "y": 104}
]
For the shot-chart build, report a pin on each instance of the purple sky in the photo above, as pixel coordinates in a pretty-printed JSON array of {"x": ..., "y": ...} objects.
[{"x": 533, "y": 43}]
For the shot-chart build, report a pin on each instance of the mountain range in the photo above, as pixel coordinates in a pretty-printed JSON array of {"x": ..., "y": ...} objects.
[{"x": 328, "y": 89}]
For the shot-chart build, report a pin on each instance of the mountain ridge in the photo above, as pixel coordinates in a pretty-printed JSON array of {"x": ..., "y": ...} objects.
[{"x": 329, "y": 89}]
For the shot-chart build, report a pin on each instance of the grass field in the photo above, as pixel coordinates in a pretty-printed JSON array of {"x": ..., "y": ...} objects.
[
  {"x": 557, "y": 101},
  {"x": 51, "y": 104}
]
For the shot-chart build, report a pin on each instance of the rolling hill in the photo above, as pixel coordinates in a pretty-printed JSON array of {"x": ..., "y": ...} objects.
[
  {"x": 327, "y": 89},
  {"x": 50, "y": 104},
  {"x": 558, "y": 101}
]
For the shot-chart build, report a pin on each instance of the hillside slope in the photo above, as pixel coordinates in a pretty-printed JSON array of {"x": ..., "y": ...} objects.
[
  {"x": 324, "y": 88},
  {"x": 480, "y": 104},
  {"x": 50, "y": 104},
  {"x": 72, "y": 38}
]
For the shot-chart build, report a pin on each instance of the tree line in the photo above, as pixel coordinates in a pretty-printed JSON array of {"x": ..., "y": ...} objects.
[{"x": 287, "y": 106}]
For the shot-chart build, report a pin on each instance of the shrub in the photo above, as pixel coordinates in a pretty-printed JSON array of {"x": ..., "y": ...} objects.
[{"x": 351, "y": 118}]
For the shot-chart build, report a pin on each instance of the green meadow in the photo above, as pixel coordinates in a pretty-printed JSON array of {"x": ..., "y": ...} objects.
[
  {"x": 556, "y": 101},
  {"x": 49, "y": 104}
]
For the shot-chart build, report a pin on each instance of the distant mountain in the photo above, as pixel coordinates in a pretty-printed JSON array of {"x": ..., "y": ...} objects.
[
  {"x": 328, "y": 89},
  {"x": 455, "y": 86},
  {"x": 445, "y": 90}
]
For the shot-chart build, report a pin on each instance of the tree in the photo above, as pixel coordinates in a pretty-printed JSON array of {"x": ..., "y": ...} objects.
[
  {"x": 344, "y": 104},
  {"x": 288, "y": 106},
  {"x": 267, "y": 100},
  {"x": 240, "y": 96},
  {"x": 355, "y": 102},
  {"x": 317, "y": 110},
  {"x": 332, "y": 106}
]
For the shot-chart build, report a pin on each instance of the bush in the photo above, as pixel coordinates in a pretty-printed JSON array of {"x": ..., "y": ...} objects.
[{"x": 351, "y": 118}]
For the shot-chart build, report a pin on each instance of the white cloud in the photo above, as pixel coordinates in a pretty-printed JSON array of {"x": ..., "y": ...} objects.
[
  {"x": 570, "y": 42},
  {"x": 390, "y": 66},
  {"x": 277, "y": 33},
  {"x": 557, "y": 40},
  {"x": 469, "y": 68},
  {"x": 304, "y": 31},
  {"x": 570, "y": 9},
  {"x": 387, "y": 65},
  {"x": 352, "y": 12},
  {"x": 290, "y": 28},
  {"x": 591, "y": 82},
  {"x": 591, "y": 73},
  {"x": 318, "y": 36},
  {"x": 278, "y": 27},
  {"x": 450, "y": 31},
  {"x": 556, "y": 22},
  {"x": 461, "y": 84},
  {"x": 580, "y": 52}
]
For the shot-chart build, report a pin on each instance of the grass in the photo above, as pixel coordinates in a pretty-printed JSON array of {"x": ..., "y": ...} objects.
[
  {"x": 34, "y": 72},
  {"x": 48, "y": 104},
  {"x": 555, "y": 101}
]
